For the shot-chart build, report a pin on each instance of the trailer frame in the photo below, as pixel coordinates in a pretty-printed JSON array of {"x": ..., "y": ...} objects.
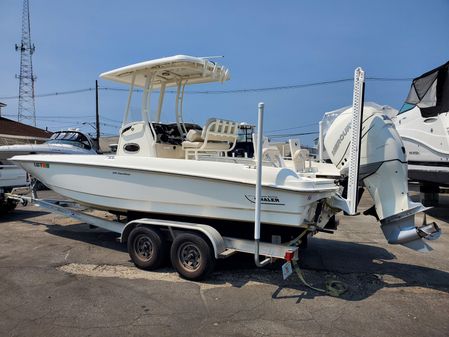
[{"x": 222, "y": 246}]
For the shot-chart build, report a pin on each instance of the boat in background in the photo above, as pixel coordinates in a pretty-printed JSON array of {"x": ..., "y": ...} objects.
[
  {"x": 70, "y": 141},
  {"x": 423, "y": 124},
  {"x": 12, "y": 177}
]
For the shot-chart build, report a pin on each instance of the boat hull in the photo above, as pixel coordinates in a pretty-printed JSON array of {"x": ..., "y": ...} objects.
[
  {"x": 12, "y": 176},
  {"x": 426, "y": 164},
  {"x": 189, "y": 190},
  {"x": 426, "y": 144}
]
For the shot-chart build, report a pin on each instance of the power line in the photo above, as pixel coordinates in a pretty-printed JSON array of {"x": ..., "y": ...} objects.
[
  {"x": 293, "y": 134},
  {"x": 388, "y": 79},
  {"x": 294, "y": 127},
  {"x": 60, "y": 93},
  {"x": 112, "y": 120},
  {"x": 57, "y": 117},
  {"x": 232, "y": 91},
  {"x": 110, "y": 125},
  {"x": 284, "y": 87},
  {"x": 250, "y": 90}
]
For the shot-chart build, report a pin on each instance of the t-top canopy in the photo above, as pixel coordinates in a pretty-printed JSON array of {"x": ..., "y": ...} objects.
[
  {"x": 430, "y": 92},
  {"x": 170, "y": 70}
]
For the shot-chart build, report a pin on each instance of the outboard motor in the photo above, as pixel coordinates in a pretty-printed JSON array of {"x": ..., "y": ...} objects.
[{"x": 383, "y": 171}]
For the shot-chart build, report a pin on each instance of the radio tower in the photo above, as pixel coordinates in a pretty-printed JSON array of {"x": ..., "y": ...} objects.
[{"x": 26, "y": 108}]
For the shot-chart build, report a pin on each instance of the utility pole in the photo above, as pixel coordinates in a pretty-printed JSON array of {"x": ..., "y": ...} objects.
[{"x": 26, "y": 107}]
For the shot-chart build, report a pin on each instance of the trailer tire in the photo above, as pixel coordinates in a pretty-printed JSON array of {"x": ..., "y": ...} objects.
[
  {"x": 7, "y": 206},
  {"x": 147, "y": 248},
  {"x": 11, "y": 205},
  {"x": 192, "y": 256}
]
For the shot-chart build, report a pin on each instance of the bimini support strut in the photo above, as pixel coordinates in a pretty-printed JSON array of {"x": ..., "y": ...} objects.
[
  {"x": 128, "y": 104},
  {"x": 179, "y": 105}
]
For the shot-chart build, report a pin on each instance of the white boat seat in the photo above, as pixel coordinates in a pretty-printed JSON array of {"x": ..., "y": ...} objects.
[
  {"x": 218, "y": 135},
  {"x": 269, "y": 152},
  {"x": 212, "y": 146},
  {"x": 299, "y": 156},
  {"x": 273, "y": 154},
  {"x": 194, "y": 135}
]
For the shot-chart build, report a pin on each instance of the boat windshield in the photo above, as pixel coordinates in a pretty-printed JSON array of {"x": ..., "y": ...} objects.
[
  {"x": 245, "y": 133},
  {"x": 71, "y": 137},
  {"x": 430, "y": 93}
]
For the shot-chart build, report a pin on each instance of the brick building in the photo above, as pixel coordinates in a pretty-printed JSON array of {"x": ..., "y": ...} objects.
[{"x": 12, "y": 132}]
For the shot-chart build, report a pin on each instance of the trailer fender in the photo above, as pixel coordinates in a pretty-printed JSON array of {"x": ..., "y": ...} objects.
[{"x": 211, "y": 233}]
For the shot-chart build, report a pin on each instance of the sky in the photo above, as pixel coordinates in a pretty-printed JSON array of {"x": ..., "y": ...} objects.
[{"x": 264, "y": 44}]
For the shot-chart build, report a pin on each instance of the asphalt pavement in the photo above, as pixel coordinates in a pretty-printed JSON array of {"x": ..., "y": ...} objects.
[{"x": 58, "y": 277}]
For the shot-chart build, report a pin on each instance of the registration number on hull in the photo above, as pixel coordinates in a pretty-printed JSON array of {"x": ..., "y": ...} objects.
[{"x": 42, "y": 165}]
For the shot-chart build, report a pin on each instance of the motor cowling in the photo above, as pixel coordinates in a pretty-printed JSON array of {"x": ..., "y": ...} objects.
[{"x": 382, "y": 170}]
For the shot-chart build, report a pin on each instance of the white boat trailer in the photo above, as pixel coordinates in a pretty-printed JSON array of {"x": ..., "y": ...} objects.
[{"x": 222, "y": 246}]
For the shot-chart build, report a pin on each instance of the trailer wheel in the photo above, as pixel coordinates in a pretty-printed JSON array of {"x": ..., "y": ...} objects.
[
  {"x": 7, "y": 206},
  {"x": 192, "y": 257},
  {"x": 147, "y": 248},
  {"x": 11, "y": 205}
]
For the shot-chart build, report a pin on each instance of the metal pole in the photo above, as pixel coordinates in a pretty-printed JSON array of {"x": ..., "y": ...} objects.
[
  {"x": 258, "y": 170},
  {"x": 320, "y": 142},
  {"x": 97, "y": 113},
  {"x": 356, "y": 133},
  {"x": 130, "y": 94},
  {"x": 161, "y": 102},
  {"x": 259, "y": 186}
]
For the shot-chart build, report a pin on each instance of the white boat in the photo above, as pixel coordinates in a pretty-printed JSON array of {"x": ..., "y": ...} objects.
[
  {"x": 11, "y": 177},
  {"x": 70, "y": 141},
  {"x": 182, "y": 170},
  {"x": 423, "y": 124}
]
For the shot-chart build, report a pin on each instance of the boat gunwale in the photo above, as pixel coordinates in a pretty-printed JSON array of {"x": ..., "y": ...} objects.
[{"x": 235, "y": 181}]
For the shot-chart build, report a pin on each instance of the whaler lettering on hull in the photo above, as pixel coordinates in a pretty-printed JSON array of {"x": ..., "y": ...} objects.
[{"x": 265, "y": 199}]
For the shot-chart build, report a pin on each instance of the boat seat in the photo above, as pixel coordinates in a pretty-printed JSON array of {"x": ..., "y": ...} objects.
[
  {"x": 218, "y": 136},
  {"x": 269, "y": 152},
  {"x": 299, "y": 156},
  {"x": 194, "y": 136},
  {"x": 213, "y": 146}
]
